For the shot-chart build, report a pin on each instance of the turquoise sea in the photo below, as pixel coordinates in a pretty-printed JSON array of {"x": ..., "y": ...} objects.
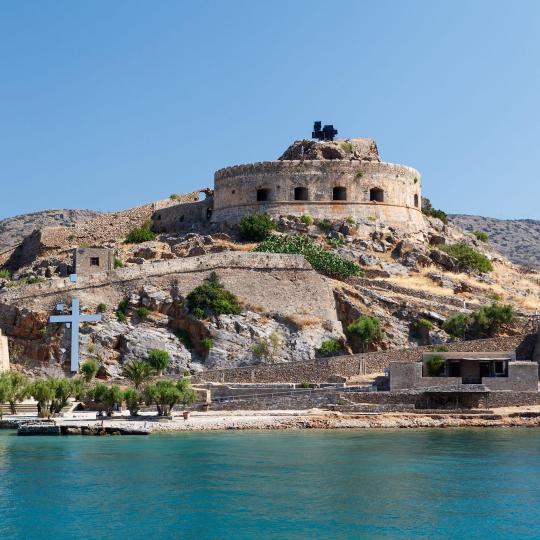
[{"x": 462, "y": 483}]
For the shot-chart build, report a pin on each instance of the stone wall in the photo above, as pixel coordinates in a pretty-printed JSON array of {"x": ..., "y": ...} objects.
[
  {"x": 181, "y": 217},
  {"x": 271, "y": 283},
  {"x": 321, "y": 370},
  {"x": 236, "y": 190},
  {"x": 4, "y": 353}
]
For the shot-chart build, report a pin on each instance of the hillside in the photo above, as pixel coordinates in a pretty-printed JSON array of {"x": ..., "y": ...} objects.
[
  {"x": 14, "y": 229},
  {"x": 517, "y": 239}
]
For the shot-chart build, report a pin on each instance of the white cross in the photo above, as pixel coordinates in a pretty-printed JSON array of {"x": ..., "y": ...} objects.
[{"x": 73, "y": 321}]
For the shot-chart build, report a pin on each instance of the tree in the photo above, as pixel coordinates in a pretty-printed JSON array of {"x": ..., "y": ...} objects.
[
  {"x": 106, "y": 397},
  {"x": 159, "y": 360},
  {"x": 44, "y": 393},
  {"x": 133, "y": 400},
  {"x": 165, "y": 395},
  {"x": 138, "y": 372},
  {"x": 367, "y": 329},
  {"x": 89, "y": 370},
  {"x": 17, "y": 389},
  {"x": 4, "y": 392}
]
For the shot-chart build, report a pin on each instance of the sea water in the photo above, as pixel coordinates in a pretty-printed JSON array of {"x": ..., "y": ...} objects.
[{"x": 453, "y": 483}]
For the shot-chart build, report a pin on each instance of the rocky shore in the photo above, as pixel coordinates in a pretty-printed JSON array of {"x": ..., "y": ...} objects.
[{"x": 279, "y": 420}]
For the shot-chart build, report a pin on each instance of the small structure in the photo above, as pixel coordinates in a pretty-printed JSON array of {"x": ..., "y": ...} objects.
[
  {"x": 91, "y": 260},
  {"x": 4, "y": 353},
  {"x": 327, "y": 133},
  {"x": 458, "y": 371}
]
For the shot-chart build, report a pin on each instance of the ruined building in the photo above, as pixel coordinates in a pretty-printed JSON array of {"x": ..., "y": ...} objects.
[{"x": 325, "y": 179}]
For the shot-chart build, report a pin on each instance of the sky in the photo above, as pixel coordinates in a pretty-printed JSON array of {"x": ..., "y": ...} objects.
[{"x": 110, "y": 104}]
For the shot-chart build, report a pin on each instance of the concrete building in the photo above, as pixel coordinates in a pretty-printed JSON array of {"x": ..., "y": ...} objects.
[
  {"x": 495, "y": 371},
  {"x": 92, "y": 260},
  {"x": 4, "y": 353},
  {"x": 325, "y": 179}
]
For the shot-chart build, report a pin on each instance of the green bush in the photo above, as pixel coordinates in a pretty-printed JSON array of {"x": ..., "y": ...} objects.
[
  {"x": 348, "y": 147},
  {"x": 101, "y": 308},
  {"x": 428, "y": 210},
  {"x": 133, "y": 400},
  {"x": 5, "y": 273},
  {"x": 484, "y": 322},
  {"x": 349, "y": 220},
  {"x": 121, "y": 310},
  {"x": 336, "y": 242},
  {"x": 420, "y": 324},
  {"x": 322, "y": 260},
  {"x": 106, "y": 397},
  {"x": 435, "y": 365},
  {"x": 440, "y": 348},
  {"x": 140, "y": 234},
  {"x": 143, "y": 313},
  {"x": 15, "y": 387},
  {"x": 207, "y": 342},
  {"x": 481, "y": 235},
  {"x": 456, "y": 325},
  {"x": 324, "y": 224},
  {"x": 261, "y": 349},
  {"x": 304, "y": 385},
  {"x": 256, "y": 227},
  {"x": 211, "y": 298},
  {"x": 89, "y": 369},
  {"x": 367, "y": 329},
  {"x": 330, "y": 347},
  {"x": 159, "y": 360},
  {"x": 307, "y": 219},
  {"x": 467, "y": 257},
  {"x": 118, "y": 263}
]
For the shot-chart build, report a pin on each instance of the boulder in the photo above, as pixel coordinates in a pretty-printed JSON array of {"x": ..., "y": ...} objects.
[{"x": 443, "y": 259}]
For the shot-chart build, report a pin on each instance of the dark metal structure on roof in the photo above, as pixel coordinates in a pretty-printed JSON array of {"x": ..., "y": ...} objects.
[{"x": 327, "y": 133}]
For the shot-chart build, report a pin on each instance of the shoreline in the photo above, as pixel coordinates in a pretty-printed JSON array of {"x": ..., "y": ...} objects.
[{"x": 274, "y": 421}]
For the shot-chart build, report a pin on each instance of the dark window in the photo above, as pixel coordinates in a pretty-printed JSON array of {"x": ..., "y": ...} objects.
[
  {"x": 94, "y": 261},
  {"x": 339, "y": 194},
  {"x": 499, "y": 368},
  {"x": 300, "y": 194},
  {"x": 376, "y": 194},
  {"x": 159, "y": 217},
  {"x": 416, "y": 200},
  {"x": 181, "y": 218},
  {"x": 233, "y": 191},
  {"x": 208, "y": 213},
  {"x": 263, "y": 195}
]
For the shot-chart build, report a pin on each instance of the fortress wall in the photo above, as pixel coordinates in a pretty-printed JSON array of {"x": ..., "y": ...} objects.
[
  {"x": 236, "y": 190},
  {"x": 284, "y": 284},
  {"x": 179, "y": 217}
]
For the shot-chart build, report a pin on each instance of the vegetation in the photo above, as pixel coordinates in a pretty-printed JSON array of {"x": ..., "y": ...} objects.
[
  {"x": 183, "y": 336},
  {"x": 118, "y": 263},
  {"x": 336, "y": 242},
  {"x": 15, "y": 388},
  {"x": 211, "y": 298},
  {"x": 304, "y": 385},
  {"x": 306, "y": 218},
  {"x": 324, "y": 224},
  {"x": 138, "y": 372},
  {"x": 89, "y": 370},
  {"x": 261, "y": 349},
  {"x": 166, "y": 394},
  {"x": 102, "y": 308},
  {"x": 467, "y": 257},
  {"x": 435, "y": 365},
  {"x": 481, "y": 235},
  {"x": 140, "y": 234},
  {"x": 5, "y": 273},
  {"x": 174, "y": 196},
  {"x": 143, "y": 313},
  {"x": 367, "y": 329},
  {"x": 428, "y": 210},
  {"x": 349, "y": 220},
  {"x": 133, "y": 400},
  {"x": 159, "y": 360},
  {"x": 322, "y": 260},
  {"x": 256, "y": 227},
  {"x": 440, "y": 348},
  {"x": 106, "y": 397},
  {"x": 330, "y": 347},
  {"x": 207, "y": 343},
  {"x": 420, "y": 325},
  {"x": 121, "y": 310},
  {"x": 484, "y": 322},
  {"x": 348, "y": 147}
]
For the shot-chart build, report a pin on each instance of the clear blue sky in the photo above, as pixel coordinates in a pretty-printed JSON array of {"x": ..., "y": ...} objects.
[{"x": 110, "y": 104}]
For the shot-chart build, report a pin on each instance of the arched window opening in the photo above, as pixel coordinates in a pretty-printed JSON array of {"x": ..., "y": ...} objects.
[
  {"x": 416, "y": 200},
  {"x": 208, "y": 213},
  {"x": 376, "y": 194},
  {"x": 263, "y": 195},
  {"x": 180, "y": 219},
  {"x": 339, "y": 194},
  {"x": 300, "y": 194}
]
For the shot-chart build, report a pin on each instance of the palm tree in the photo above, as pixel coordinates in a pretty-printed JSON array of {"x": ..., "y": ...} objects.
[{"x": 138, "y": 372}]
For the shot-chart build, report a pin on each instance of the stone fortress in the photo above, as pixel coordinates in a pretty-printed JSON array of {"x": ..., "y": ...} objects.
[{"x": 326, "y": 179}]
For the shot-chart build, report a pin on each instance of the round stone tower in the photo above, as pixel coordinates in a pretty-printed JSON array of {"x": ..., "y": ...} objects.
[{"x": 325, "y": 179}]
